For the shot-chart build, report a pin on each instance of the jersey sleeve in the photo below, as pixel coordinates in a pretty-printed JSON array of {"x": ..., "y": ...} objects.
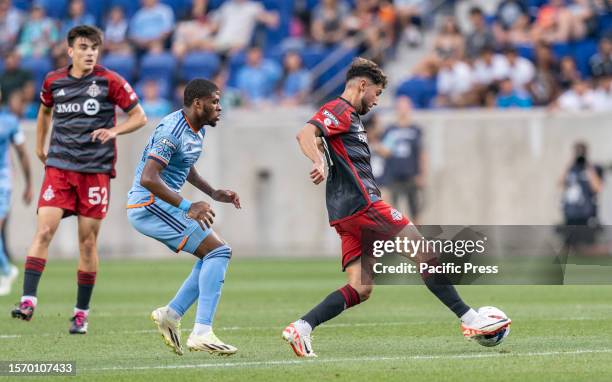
[
  {"x": 121, "y": 93},
  {"x": 329, "y": 123},
  {"x": 163, "y": 147},
  {"x": 46, "y": 96},
  {"x": 17, "y": 137}
]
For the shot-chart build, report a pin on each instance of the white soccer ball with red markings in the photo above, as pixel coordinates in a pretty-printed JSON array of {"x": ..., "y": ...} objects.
[{"x": 496, "y": 338}]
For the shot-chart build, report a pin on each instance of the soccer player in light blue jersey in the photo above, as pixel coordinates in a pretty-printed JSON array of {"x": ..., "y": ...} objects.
[
  {"x": 156, "y": 209},
  {"x": 10, "y": 135}
]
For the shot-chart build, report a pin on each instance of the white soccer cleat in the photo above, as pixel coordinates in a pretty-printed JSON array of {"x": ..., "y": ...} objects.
[
  {"x": 210, "y": 343},
  {"x": 484, "y": 325},
  {"x": 299, "y": 341},
  {"x": 169, "y": 328}
]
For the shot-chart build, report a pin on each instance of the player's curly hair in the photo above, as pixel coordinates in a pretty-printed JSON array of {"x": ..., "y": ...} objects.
[
  {"x": 89, "y": 32},
  {"x": 198, "y": 88},
  {"x": 362, "y": 67}
]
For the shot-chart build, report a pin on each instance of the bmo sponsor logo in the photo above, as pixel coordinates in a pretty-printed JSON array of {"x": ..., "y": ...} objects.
[{"x": 89, "y": 107}]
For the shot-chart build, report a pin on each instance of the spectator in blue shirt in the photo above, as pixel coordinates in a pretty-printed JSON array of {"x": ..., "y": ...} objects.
[
  {"x": 152, "y": 103},
  {"x": 508, "y": 97},
  {"x": 296, "y": 80},
  {"x": 257, "y": 79},
  {"x": 76, "y": 16},
  {"x": 115, "y": 32},
  {"x": 151, "y": 26},
  {"x": 421, "y": 88}
]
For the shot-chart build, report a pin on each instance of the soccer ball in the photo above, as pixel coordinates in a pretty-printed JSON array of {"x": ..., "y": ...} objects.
[{"x": 496, "y": 338}]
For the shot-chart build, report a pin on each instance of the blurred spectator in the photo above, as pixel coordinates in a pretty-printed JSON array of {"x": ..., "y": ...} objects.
[
  {"x": 235, "y": 22},
  {"x": 370, "y": 28},
  {"x": 17, "y": 104},
  {"x": 152, "y": 103},
  {"x": 544, "y": 88},
  {"x": 421, "y": 87},
  {"x": 76, "y": 16},
  {"x": 193, "y": 34},
  {"x": 410, "y": 16},
  {"x": 10, "y": 23},
  {"x": 39, "y": 34},
  {"x": 553, "y": 23},
  {"x": 258, "y": 78},
  {"x": 521, "y": 70},
  {"x": 603, "y": 94},
  {"x": 568, "y": 73},
  {"x": 455, "y": 84},
  {"x": 328, "y": 21},
  {"x": 115, "y": 33},
  {"x": 508, "y": 13},
  {"x": 480, "y": 36},
  {"x": 449, "y": 40},
  {"x": 490, "y": 67},
  {"x": 579, "y": 97},
  {"x": 601, "y": 62},
  {"x": 581, "y": 184},
  {"x": 14, "y": 78},
  {"x": 508, "y": 97},
  {"x": 295, "y": 83},
  {"x": 402, "y": 147},
  {"x": 151, "y": 26}
]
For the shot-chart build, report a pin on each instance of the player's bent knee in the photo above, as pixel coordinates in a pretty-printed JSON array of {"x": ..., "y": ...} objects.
[{"x": 44, "y": 234}]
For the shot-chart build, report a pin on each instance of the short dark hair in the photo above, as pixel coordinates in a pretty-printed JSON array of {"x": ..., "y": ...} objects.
[
  {"x": 476, "y": 11},
  {"x": 361, "y": 67},
  {"x": 86, "y": 31},
  {"x": 198, "y": 88}
]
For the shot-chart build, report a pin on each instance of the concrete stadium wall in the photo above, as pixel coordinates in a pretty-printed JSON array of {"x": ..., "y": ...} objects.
[{"x": 486, "y": 167}]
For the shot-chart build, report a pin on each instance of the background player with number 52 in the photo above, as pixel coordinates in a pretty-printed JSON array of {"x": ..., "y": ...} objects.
[{"x": 79, "y": 163}]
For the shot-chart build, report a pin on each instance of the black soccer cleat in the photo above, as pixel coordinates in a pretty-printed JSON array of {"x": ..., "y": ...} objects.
[
  {"x": 79, "y": 323},
  {"x": 24, "y": 311}
]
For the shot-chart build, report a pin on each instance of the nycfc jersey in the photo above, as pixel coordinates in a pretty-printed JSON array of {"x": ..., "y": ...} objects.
[
  {"x": 177, "y": 147},
  {"x": 10, "y": 133}
]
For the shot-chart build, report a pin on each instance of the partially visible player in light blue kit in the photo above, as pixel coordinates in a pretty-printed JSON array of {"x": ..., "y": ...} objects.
[
  {"x": 10, "y": 135},
  {"x": 156, "y": 209}
]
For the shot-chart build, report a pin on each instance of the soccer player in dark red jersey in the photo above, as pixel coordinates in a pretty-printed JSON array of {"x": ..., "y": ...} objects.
[
  {"x": 354, "y": 204},
  {"x": 81, "y": 100}
]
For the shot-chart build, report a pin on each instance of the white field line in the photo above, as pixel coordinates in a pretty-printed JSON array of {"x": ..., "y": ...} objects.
[
  {"x": 247, "y": 328},
  {"x": 355, "y": 359}
]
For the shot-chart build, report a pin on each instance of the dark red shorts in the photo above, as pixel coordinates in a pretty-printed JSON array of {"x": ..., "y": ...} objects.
[
  {"x": 77, "y": 193},
  {"x": 380, "y": 218}
]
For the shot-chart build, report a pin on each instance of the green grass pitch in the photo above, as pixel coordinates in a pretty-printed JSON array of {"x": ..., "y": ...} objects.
[{"x": 559, "y": 333}]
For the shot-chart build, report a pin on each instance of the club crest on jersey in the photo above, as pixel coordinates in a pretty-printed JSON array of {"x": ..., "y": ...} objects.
[
  {"x": 91, "y": 106},
  {"x": 94, "y": 90},
  {"x": 48, "y": 194},
  {"x": 331, "y": 117},
  {"x": 396, "y": 215}
]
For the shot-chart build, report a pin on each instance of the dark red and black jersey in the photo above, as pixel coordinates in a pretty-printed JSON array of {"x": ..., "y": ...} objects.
[
  {"x": 80, "y": 106},
  {"x": 350, "y": 183}
]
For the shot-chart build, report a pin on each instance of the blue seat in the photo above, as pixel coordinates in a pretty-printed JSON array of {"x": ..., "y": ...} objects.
[
  {"x": 123, "y": 64},
  {"x": 561, "y": 50},
  {"x": 235, "y": 63},
  {"x": 98, "y": 9},
  {"x": 583, "y": 50},
  {"x": 313, "y": 55},
  {"x": 57, "y": 9},
  {"x": 199, "y": 64},
  {"x": 214, "y": 4},
  {"x": 39, "y": 66},
  {"x": 158, "y": 66},
  {"x": 527, "y": 51},
  {"x": 180, "y": 7},
  {"x": 421, "y": 91}
]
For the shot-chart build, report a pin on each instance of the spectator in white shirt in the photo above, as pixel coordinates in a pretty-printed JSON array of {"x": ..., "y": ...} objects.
[
  {"x": 235, "y": 22},
  {"x": 455, "y": 83},
  {"x": 521, "y": 70},
  {"x": 490, "y": 67},
  {"x": 579, "y": 97}
]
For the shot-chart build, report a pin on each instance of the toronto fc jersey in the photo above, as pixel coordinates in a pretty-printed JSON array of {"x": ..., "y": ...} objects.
[{"x": 350, "y": 182}]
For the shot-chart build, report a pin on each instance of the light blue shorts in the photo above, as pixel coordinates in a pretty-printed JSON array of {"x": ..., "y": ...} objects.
[
  {"x": 168, "y": 224},
  {"x": 5, "y": 201}
]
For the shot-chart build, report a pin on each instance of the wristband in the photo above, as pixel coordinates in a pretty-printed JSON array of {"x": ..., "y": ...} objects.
[{"x": 185, "y": 205}]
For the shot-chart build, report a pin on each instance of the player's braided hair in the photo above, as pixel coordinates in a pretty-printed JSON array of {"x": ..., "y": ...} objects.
[
  {"x": 89, "y": 32},
  {"x": 361, "y": 67},
  {"x": 198, "y": 88}
]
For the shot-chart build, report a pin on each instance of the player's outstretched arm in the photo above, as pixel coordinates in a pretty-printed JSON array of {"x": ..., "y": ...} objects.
[
  {"x": 224, "y": 196},
  {"x": 43, "y": 121},
  {"x": 136, "y": 119},
  {"x": 307, "y": 139},
  {"x": 24, "y": 161},
  {"x": 152, "y": 181}
]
